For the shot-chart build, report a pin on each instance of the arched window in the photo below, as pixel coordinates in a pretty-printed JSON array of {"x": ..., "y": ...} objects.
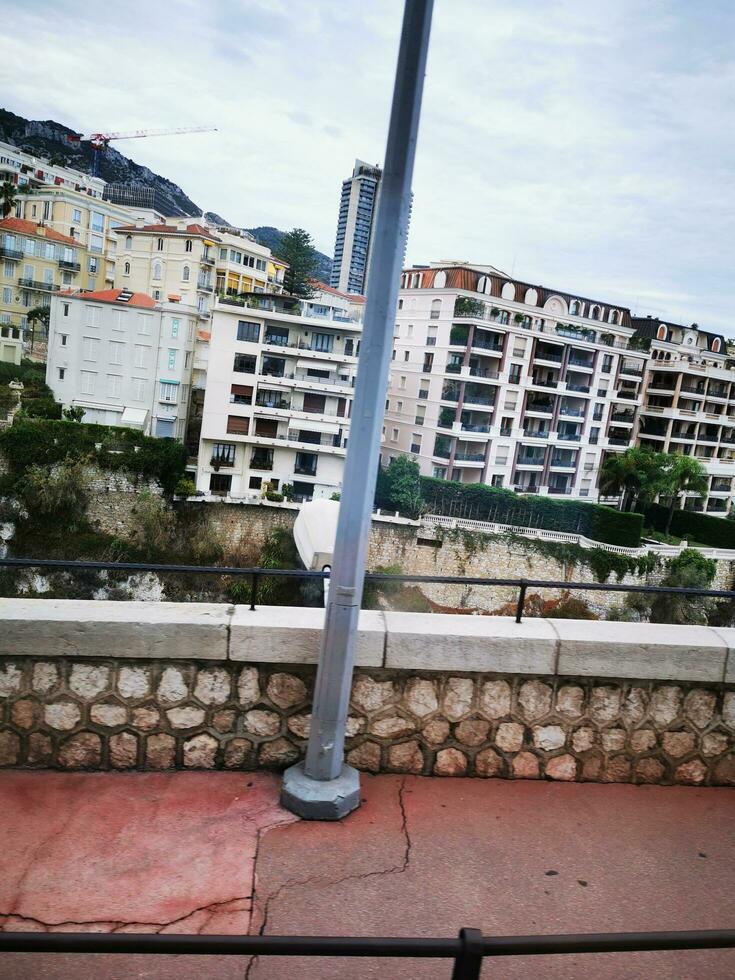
[
  {"x": 159, "y": 244},
  {"x": 716, "y": 345},
  {"x": 661, "y": 333},
  {"x": 127, "y": 268},
  {"x": 128, "y": 241},
  {"x": 185, "y": 273},
  {"x": 156, "y": 270},
  {"x": 595, "y": 314},
  {"x": 614, "y": 317},
  {"x": 188, "y": 245},
  {"x": 436, "y": 308},
  {"x": 574, "y": 308},
  {"x": 504, "y": 316}
]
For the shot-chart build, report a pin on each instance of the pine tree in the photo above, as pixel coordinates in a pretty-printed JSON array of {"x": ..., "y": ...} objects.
[{"x": 297, "y": 249}]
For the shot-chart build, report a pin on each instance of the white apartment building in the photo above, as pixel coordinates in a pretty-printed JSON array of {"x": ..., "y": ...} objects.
[
  {"x": 280, "y": 380},
  {"x": 689, "y": 405},
  {"x": 124, "y": 358},
  {"x": 508, "y": 383},
  {"x": 26, "y": 169}
]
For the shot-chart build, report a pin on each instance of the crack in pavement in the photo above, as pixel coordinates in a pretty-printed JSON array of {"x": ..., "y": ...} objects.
[{"x": 329, "y": 882}]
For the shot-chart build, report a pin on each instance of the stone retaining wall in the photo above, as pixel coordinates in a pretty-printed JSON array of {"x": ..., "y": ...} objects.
[{"x": 103, "y": 685}]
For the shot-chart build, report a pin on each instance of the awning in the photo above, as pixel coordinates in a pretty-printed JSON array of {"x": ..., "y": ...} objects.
[
  {"x": 100, "y": 406},
  {"x": 315, "y": 364},
  {"x": 308, "y": 426},
  {"x": 134, "y": 417}
]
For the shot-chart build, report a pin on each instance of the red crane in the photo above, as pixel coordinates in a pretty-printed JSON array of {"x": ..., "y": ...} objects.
[{"x": 100, "y": 141}]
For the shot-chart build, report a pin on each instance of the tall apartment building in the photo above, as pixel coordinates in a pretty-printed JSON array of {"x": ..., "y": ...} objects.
[
  {"x": 689, "y": 404},
  {"x": 35, "y": 262},
  {"x": 280, "y": 380},
  {"x": 357, "y": 208},
  {"x": 508, "y": 383},
  {"x": 27, "y": 170},
  {"x": 124, "y": 358}
]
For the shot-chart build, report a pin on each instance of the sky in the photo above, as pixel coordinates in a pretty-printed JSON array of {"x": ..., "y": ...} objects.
[{"x": 584, "y": 145}]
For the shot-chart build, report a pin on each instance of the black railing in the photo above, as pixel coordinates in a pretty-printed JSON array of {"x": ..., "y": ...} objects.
[
  {"x": 467, "y": 951},
  {"x": 522, "y": 584}
]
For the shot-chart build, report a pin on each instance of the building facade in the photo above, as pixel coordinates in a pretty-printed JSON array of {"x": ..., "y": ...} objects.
[
  {"x": 689, "y": 405},
  {"x": 357, "y": 207},
  {"x": 26, "y": 170},
  {"x": 124, "y": 358},
  {"x": 279, "y": 383},
  {"x": 507, "y": 383}
]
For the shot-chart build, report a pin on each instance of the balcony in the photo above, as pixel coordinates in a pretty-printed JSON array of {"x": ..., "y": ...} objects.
[
  {"x": 633, "y": 370},
  {"x": 475, "y": 427},
  {"x": 618, "y": 440},
  {"x": 540, "y": 408},
  {"x": 537, "y": 461},
  {"x": 46, "y": 287},
  {"x": 263, "y": 401},
  {"x": 569, "y": 436},
  {"x": 560, "y": 489},
  {"x": 575, "y": 413},
  {"x": 14, "y": 254},
  {"x": 588, "y": 335},
  {"x": 69, "y": 266},
  {"x": 548, "y": 355},
  {"x": 573, "y": 386},
  {"x": 559, "y": 462},
  {"x": 544, "y": 384},
  {"x": 276, "y": 340},
  {"x": 207, "y": 259},
  {"x": 479, "y": 372},
  {"x": 204, "y": 286},
  {"x": 537, "y": 433},
  {"x": 468, "y": 457},
  {"x": 261, "y": 461},
  {"x": 582, "y": 363},
  {"x": 720, "y": 485},
  {"x": 305, "y": 469},
  {"x": 628, "y": 394},
  {"x": 627, "y": 418},
  {"x": 487, "y": 345}
]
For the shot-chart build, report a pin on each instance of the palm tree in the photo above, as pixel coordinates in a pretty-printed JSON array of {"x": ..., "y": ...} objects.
[
  {"x": 683, "y": 474},
  {"x": 637, "y": 476},
  {"x": 8, "y": 194}
]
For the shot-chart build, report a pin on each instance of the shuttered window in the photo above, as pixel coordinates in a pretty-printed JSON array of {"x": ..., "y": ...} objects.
[{"x": 238, "y": 425}]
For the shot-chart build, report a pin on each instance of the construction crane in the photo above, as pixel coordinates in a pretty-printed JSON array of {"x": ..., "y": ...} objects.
[{"x": 100, "y": 141}]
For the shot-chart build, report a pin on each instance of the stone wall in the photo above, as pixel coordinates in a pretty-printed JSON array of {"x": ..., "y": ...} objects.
[
  {"x": 128, "y": 685},
  {"x": 113, "y": 498}
]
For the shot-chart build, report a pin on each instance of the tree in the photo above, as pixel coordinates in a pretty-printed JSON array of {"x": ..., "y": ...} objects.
[
  {"x": 8, "y": 194},
  {"x": 682, "y": 474},
  {"x": 399, "y": 486},
  {"x": 690, "y": 570},
  {"x": 637, "y": 475},
  {"x": 75, "y": 413},
  {"x": 297, "y": 249}
]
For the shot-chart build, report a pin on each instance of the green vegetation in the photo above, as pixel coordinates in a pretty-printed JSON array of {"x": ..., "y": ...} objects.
[
  {"x": 710, "y": 532},
  {"x": 570, "y": 608},
  {"x": 42, "y": 442},
  {"x": 56, "y": 493},
  {"x": 689, "y": 570},
  {"x": 297, "y": 248},
  {"x": 601, "y": 562},
  {"x": 466, "y": 306},
  {"x": 399, "y": 487}
]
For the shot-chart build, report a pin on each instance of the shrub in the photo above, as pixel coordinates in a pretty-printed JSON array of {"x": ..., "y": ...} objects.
[
  {"x": 41, "y": 408},
  {"x": 185, "y": 487},
  {"x": 711, "y": 531},
  {"x": 571, "y": 608},
  {"x": 689, "y": 570},
  {"x": 399, "y": 487},
  {"x": 56, "y": 493},
  {"x": 481, "y": 502},
  {"x": 274, "y": 495},
  {"x": 155, "y": 527}
]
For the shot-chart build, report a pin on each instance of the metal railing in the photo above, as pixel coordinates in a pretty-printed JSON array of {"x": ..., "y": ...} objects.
[
  {"x": 255, "y": 574},
  {"x": 467, "y": 951}
]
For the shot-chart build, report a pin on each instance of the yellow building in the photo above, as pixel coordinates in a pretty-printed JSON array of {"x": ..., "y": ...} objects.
[{"x": 35, "y": 262}]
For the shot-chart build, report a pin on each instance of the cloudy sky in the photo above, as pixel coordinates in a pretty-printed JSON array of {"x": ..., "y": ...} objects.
[{"x": 581, "y": 144}]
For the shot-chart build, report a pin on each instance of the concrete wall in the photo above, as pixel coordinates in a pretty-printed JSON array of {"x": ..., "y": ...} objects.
[{"x": 103, "y": 685}]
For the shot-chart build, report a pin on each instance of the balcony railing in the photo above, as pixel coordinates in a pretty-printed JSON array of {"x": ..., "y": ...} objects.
[
  {"x": 204, "y": 286},
  {"x": 486, "y": 345},
  {"x": 627, "y": 369},
  {"x": 470, "y": 457},
  {"x": 547, "y": 355},
  {"x": 627, "y": 417},
  {"x": 261, "y": 461},
  {"x": 618, "y": 440},
  {"x": 536, "y": 433},
  {"x": 581, "y": 362},
  {"x": 545, "y": 384},
  {"x": 47, "y": 287},
  {"x": 561, "y": 461},
  {"x": 570, "y": 436},
  {"x": 69, "y": 266},
  {"x": 572, "y": 412},
  {"x": 477, "y": 372},
  {"x": 207, "y": 259},
  {"x": 469, "y": 427},
  {"x": 546, "y": 407},
  {"x": 560, "y": 489},
  {"x": 531, "y": 460},
  {"x": 304, "y": 470},
  {"x": 10, "y": 253},
  {"x": 262, "y": 402}
]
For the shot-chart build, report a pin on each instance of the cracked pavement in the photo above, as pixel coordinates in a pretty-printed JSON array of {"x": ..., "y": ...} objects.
[{"x": 212, "y": 852}]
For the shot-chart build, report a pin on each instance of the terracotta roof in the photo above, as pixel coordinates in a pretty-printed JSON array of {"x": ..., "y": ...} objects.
[
  {"x": 37, "y": 230},
  {"x": 113, "y": 296},
  {"x": 353, "y": 297},
  {"x": 191, "y": 231}
]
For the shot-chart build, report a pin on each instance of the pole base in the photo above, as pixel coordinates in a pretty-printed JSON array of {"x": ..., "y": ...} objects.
[{"x": 315, "y": 799}]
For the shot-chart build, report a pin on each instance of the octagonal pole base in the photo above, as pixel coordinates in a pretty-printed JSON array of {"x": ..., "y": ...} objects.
[{"x": 315, "y": 799}]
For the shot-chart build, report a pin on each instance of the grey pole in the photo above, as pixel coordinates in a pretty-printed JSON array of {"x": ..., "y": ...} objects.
[{"x": 323, "y": 787}]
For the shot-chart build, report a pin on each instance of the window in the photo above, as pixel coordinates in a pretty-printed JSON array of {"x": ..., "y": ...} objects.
[
  {"x": 241, "y": 394},
  {"x": 322, "y": 341},
  {"x": 248, "y": 331},
  {"x": 598, "y": 412},
  {"x": 144, "y": 324},
  {"x": 90, "y": 348},
  {"x": 96, "y": 221},
  {"x": 76, "y": 216},
  {"x": 92, "y": 316},
  {"x": 93, "y": 266},
  {"x": 439, "y": 473},
  {"x": 63, "y": 338},
  {"x": 188, "y": 247},
  {"x": 185, "y": 272},
  {"x": 96, "y": 244},
  {"x": 399, "y": 408},
  {"x": 7, "y": 294},
  {"x": 117, "y": 320},
  {"x": 400, "y": 304},
  {"x": 88, "y": 379},
  {"x": 187, "y": 359},
  {"x": 278, "y": 336},
  {"x": 497, "y": 480},
  {"x": 409, "y": 331},
  {"x": 175, "y": 324},
  {"x": 223, "y": 254},
  {"x": 244, "y": 363},
  {"x": 394, "y": 435},
  {"x": 66, "y": 278},
  {"x": 514, "y": 376},
  {"x": 594, "y": 436},
  {"x": 255, "y": 482},
  {"x": 128, "y": 241},
  {"x": 190, "y": 330},
  {"x": 606, "y": 364},
  {"x": 116, "y": 352},
  {"x": 141, "y": 355},
  {"x": 393, "y": 355},
  {"x": 168, "y": 393},
  {"x": 48, "y": 277},
  {"x": 428, "y": 363},
  {"x": 419, "y": 420},
  {"x": 159, "y": 244},
  {"x": 436, "y": 308},
  {"x": 172, "y": 360},
  {"x": 220, "y": 483},
  {"x": 156, "y": 270},
  {"x": 61, "y": 373},
  {"x": 416, "y": 442},
  {"x": 423, "y": 392},
  {"x": 402, "y": 382},
  {"x": 114, "y": 385},
  {"x": 8, "y": 268},
  {"x": 238, "y": 425},
  {"x": 138, "y": 389},
  {"x": 126, "y": 269},
  {"x": 405, "y": 355}
]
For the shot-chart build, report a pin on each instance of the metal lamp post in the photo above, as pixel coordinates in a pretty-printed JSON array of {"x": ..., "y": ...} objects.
[{"x": 323, "y": 787}]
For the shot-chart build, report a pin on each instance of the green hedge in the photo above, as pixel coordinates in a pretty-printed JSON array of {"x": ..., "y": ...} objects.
[
  {"x": 716, "y": 532},
  {"x": 480, "y": 502},
  {"x": 47, "y": 441}
]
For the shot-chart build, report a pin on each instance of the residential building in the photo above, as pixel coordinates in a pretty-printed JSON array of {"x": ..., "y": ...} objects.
[
  {"x": 280, "y": 379},
  {"x": 689, "y": 404},
  {"x": 35, "y": 262},
  {"x": 503, "y": 382},
  {"x": 357, "y": 207},
  {"x": 27, "y": 169},
  {"x": 123, "y": 357},
  {"x": 244, "y": 266}
]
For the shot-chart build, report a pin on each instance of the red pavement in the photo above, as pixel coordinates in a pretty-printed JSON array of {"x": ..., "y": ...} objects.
[{"x": 192, "y": 852}]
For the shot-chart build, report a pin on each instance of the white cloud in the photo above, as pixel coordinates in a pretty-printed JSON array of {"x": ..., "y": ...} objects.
[{"x": 586, "y": 145}]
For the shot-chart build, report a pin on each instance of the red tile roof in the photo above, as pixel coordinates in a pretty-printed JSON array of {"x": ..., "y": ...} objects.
[
  {"x": 112, "y": 295},
  {"x": 38, "y": 230},
  {"x": 191, "y": 231},
  {"x": 353, "y": 297}
]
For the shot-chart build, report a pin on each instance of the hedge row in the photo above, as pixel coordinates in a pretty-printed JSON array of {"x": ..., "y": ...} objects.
[
  {"x": 480, "y": 502},
  {"x": 47, "y": 441},
  {"x": 716, "y": 532}
]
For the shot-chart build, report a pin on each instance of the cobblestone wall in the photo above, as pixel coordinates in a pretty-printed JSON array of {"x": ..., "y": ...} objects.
[
  {"x": 69, "y": 714},
  {"x": 113, "y": 498}
]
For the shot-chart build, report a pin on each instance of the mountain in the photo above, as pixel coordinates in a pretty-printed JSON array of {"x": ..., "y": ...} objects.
[
  {"x": 271, "y": 238},
  {"x": 48, "y": 139}
]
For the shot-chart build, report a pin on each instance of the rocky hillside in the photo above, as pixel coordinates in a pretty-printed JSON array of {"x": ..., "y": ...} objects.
[{"x": 271, "y": 238}]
